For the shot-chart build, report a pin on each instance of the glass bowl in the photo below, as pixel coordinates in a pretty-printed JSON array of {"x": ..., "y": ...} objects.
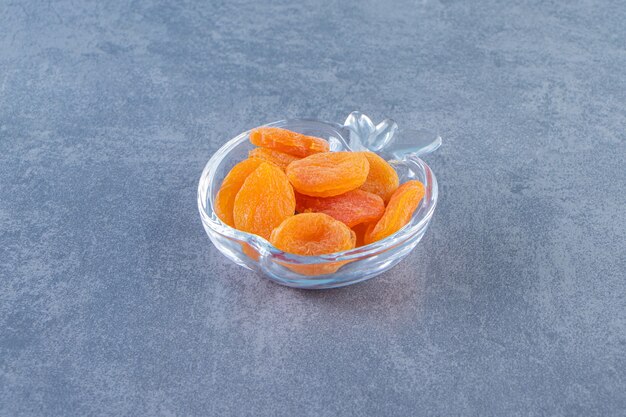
[{"x": 359, "y": 264}]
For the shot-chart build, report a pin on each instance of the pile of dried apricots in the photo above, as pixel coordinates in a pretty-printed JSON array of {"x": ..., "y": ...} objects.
[{"x": 307, "y": 200}]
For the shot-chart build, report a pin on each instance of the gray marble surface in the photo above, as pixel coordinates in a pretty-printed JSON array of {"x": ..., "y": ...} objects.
[{"x": 114, "y": 302}]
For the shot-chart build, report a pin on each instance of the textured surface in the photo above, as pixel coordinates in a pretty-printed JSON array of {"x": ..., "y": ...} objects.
[{"x": 114, "y": 302}]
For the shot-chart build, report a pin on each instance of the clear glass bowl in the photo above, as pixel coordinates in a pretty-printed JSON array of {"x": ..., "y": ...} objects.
[{"x": 359, "y": 264}]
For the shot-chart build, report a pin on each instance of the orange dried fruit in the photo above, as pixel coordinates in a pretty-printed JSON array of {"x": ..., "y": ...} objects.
[
  {"x": 351, "y": 208},
  {"x": 401, "y": 206},
  {"x": 264, "y": 201},
  {"x": 382, "y": 179},
  {"x": 328, "y": 174},
  {"x": 360, "y": 230},
  {"x": 286, "y": 141},
  {"x": 313, "y": 234},
  {"x": 278, "y": 158},
  {"x": 225, "y": 198}
]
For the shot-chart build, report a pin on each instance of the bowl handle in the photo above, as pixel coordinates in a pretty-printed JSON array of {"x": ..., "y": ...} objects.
[{"x": 385, "y": 140}]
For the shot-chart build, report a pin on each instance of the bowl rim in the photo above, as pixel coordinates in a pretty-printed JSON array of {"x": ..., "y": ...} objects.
[{"x": 419, "y": 221}]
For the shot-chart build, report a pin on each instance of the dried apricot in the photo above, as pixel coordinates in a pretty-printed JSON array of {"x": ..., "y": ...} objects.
[
  {"x": 382, "y": 179},
  {"x": 360, "y": 230},
  {"x": 401, "y": 206},
  {"x": 313, "y": 234},
  {"x": 264, "y": 201},
  {"x": 351, "y": 208},
  {"x": 328, "y": 174},
  {"x": 286, "y": 141},
  {"x": 278, "y": 158},
  {"x": 225, "y": 198}
]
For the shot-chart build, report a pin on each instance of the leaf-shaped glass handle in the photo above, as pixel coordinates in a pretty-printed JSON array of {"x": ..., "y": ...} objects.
[
  {"x": 385, "y": 140},
  {"x": 360, "y": 128},
  {"x": 413, "y": 142},
  {"x": 383, "y": 135}
]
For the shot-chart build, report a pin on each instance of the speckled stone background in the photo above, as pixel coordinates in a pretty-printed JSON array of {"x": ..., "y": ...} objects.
[{"x": 114, "y": 302}]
